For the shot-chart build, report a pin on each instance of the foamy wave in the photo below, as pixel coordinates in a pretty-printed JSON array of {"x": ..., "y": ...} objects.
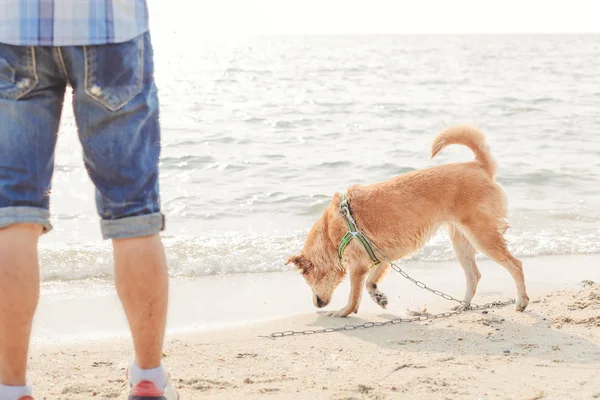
[
  {"x": 233, "y": 253},
  {"x": 187, "y": 257},
  {"x": 523, "y": 244}
]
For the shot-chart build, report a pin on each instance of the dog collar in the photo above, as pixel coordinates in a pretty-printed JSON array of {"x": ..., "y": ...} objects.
[{"x": 353, "y": 232}]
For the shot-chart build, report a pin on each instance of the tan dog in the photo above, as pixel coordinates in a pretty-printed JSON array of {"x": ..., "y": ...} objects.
[{"x": 402, "y": 214}]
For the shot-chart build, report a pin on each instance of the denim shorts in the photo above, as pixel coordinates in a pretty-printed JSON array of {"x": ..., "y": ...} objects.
[{"x": 117, "y": 114}]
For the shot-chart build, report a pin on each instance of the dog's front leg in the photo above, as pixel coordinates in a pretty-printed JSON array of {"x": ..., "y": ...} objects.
[
  {"x": 357, "y": 278},
  {"x": 375, "y": 277}
]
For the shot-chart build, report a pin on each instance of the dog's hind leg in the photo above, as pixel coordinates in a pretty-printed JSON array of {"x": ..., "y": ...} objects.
[
  {"x": 376, "y": 275},
  {"x": 465, "y": 252},
  {"x": 486, "y": 234}
]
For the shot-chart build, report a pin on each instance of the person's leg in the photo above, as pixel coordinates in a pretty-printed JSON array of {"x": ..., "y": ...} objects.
[
  {"x": 142, "y": 284},
  {"x": 31, "y": 97},
  {"x": 19, "y": 292},
  {"x": 116, "y": 108}
]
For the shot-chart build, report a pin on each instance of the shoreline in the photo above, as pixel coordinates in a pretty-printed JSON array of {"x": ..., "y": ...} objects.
[{"x": 82, "y": 312}]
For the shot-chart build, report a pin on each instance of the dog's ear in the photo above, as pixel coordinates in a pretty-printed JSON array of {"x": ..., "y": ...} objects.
[
  {"x": 297, "y": 260},
  {"x": 301, "y": 262}
]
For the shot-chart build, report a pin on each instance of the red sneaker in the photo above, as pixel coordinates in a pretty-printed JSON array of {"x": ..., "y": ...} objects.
[{"x": 146, "y": 390}]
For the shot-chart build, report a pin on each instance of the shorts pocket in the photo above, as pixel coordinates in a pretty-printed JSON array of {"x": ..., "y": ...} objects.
[
  {"x": 114, "y": 72},
  {"x": 18, "y": 74}
]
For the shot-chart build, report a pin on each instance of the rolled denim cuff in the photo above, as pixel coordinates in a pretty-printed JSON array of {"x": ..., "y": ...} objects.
[
  {"x": 130, "y": 227},
  {"x": 25, "y": 215}
]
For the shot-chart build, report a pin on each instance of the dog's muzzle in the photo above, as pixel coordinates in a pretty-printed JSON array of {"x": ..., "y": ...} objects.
[{"x": 318, "y": 302}]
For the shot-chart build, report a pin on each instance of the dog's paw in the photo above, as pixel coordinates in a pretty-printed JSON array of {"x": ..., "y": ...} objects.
[
  {"x": 339, "y": 314},
  {"x": 462, "y": 307},
  {"x": 522, "y": 304},
  {"x": 378, "y": 297},
  {"x": 381, "y": 299}
]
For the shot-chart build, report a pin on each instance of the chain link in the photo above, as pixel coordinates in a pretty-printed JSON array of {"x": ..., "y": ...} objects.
[{"x": 463, "y": 306}]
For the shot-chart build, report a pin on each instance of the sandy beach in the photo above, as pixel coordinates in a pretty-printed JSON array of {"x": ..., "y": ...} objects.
[{"x": 550, "y": 351}]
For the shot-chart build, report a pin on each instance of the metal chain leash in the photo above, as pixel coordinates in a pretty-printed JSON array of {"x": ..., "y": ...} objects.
[
  {"x": 463, "y": 306},
  {"x": 466, "y": 307}
]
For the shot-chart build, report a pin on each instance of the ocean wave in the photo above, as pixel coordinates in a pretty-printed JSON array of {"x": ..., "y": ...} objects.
[
  {"x": 237, "y": 70},
  {"x": 299, "y": 122},
  {"x": 232, "y": 253},
  {"x": 390, "y": 168},
  {"x": 282, "y": 203},
  {"x": 341, "y": 70},
  {"x": 545, "y": 177},
  {"x": 254, "y": 120},
  {"x": 186, "y": 161},
  {"x": 335, "y": 164}
]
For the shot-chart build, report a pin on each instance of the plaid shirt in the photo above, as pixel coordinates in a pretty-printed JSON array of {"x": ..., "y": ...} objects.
[{"x": 71, "y": 22}]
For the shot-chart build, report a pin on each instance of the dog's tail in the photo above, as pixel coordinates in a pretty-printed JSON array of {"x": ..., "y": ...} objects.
[{"x": 470, "y": 137}]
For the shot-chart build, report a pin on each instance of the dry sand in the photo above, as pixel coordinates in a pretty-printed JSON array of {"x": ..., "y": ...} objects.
[{"x": 550, "y": 351}]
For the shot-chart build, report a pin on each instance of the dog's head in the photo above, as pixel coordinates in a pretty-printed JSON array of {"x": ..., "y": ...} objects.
[
  {"x": 322, "y": 279},
  {"x": 318, "y": 262}
]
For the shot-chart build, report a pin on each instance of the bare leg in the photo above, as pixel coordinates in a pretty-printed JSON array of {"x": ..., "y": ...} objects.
[
  {"x": 465, "y": 252},
  {"x": 356, "y": 288},
  {"x": 486, "y": 236},
  {"x": 375, "y": 277},
  {"x": 142, "y": 282},
  {"x": 19, "y": 294}
]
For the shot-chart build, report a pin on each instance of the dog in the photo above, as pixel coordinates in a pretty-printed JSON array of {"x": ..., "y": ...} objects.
[{"x": 400, "y": 215}]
